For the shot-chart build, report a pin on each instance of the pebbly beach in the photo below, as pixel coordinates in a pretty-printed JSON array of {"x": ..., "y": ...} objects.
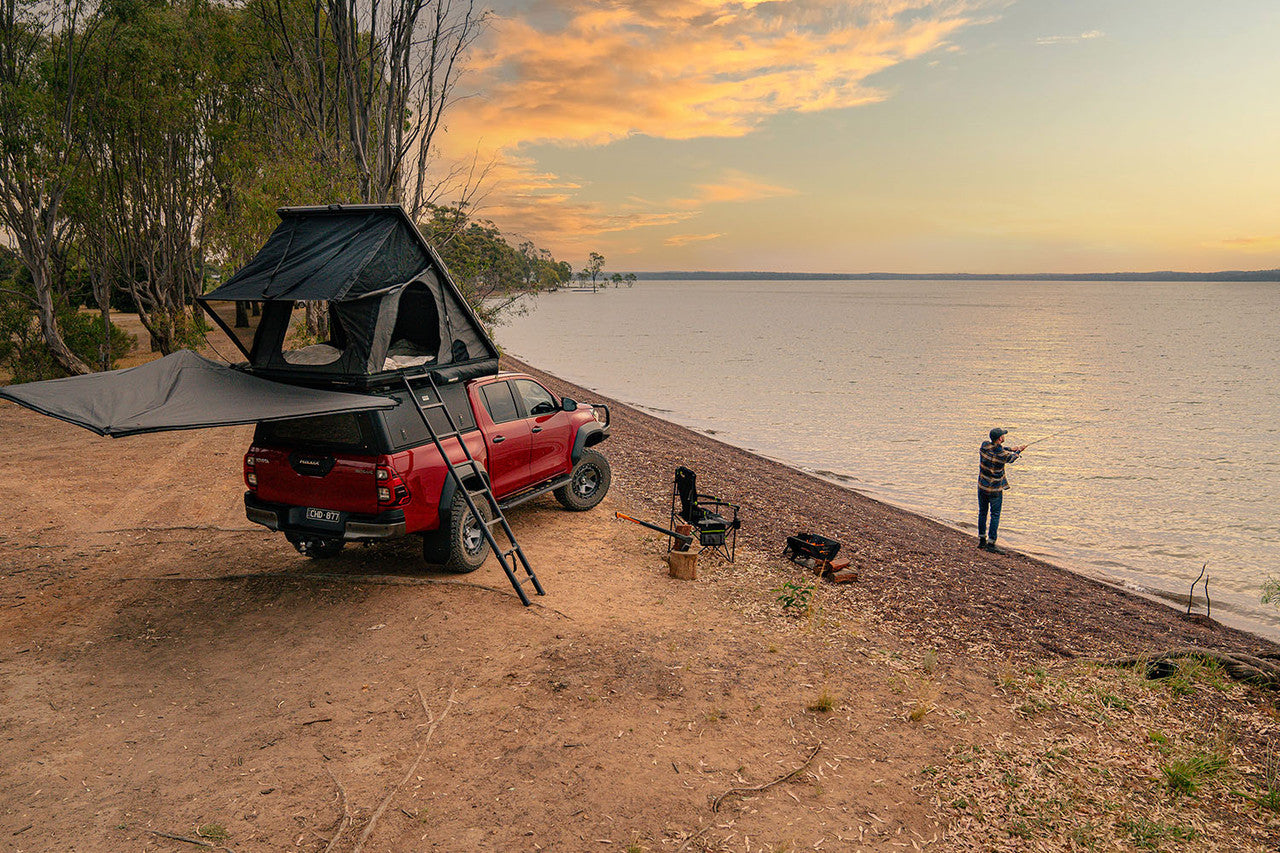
[{"x": 926, "y": 581}]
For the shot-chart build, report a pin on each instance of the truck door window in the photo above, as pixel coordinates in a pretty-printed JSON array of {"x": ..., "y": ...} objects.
[
  {"x": 537, "y": 400},
  {"x": 499, "y": 402}
]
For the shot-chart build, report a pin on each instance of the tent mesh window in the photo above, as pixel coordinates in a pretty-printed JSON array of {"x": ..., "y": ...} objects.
[
  {"x": 415, "y": 338},
  {"x": 297, "y": 347}
]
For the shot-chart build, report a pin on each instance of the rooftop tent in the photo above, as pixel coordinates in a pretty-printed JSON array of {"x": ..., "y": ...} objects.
[
  {"x": 180, "y": 391},
  {"x": 392, "y": 305}
]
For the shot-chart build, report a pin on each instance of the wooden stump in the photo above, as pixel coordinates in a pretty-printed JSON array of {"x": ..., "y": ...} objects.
[
  {"x": 683, "y": 565},
  {"x": 684, "y": 530}
]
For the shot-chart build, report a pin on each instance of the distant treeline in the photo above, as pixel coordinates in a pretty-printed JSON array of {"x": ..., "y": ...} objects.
[{"x": 1166, "y": 275}]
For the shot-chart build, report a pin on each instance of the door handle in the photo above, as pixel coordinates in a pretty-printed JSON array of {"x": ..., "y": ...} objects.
[
  {"x": 498, "y": 439},
  {"x": 536, "y": 429}
]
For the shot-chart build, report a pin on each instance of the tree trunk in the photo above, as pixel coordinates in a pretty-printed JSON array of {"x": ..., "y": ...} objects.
[
  {"x": 68, "y": 360},
  {"x": 242, "y": 314},
  {"x": 317, "y": 320}
]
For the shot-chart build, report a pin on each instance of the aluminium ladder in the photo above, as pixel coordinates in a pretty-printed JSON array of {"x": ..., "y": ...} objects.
[{"x": 467, "y": 468}]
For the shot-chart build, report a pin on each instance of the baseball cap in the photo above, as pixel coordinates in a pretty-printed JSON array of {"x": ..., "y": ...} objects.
[{"x": 997, "y": 432}]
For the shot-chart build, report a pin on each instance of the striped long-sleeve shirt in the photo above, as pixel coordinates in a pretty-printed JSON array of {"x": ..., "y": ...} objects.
[{"x": 992, "y": 458}]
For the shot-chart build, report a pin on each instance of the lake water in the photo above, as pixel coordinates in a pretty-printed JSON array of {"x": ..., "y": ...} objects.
[{"x": 1163, "y": 399}]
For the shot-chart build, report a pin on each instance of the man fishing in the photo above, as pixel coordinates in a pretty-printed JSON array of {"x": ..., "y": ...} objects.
[{"x": 992, "y": 457}]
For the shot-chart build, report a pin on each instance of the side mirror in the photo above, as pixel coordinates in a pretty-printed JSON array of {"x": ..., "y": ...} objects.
[{"x": 568, "y": 404}]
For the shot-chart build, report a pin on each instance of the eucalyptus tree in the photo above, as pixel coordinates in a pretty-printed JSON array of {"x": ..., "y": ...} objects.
[
  {"x": 42, "y": 51},
  {"x": 163, "y": 109},
  {"x": 369, "y": 82},
  {"x": 594, "y": 269}
]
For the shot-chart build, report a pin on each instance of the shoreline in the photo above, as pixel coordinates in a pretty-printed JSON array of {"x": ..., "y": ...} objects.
[
  {"x": 1134, "y": 585},
  {"x": 925, "y": 576},
  {"x": 1238, "y": 620}
]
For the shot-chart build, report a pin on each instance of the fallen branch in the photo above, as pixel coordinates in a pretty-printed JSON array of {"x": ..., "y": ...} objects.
[
  {"x": 434, "y": 721},
  {"x": 1241, "y": 666},
  {"x": 346, "y": 813},
  {"x": 195, "y": 841},
  {"x": 715, "y": 804}
]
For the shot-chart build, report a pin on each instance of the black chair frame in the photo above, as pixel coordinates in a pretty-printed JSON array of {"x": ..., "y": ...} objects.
[{"x": 714, "y": 521}]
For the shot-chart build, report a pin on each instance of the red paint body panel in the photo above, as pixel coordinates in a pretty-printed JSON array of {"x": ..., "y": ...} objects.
[
  {"x": 349, "y": 486},
  {"x": 425, "y": 475},
  {"x": 549, "y": 448}
]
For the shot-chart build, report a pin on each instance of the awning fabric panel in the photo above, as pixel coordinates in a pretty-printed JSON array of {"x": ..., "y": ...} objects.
[{"x": 180, "y": 391}]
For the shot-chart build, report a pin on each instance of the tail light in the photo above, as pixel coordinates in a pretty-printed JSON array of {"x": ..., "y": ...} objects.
[
  {"x": 250, "y": 474},
  {"x": 392, "y": 491}
]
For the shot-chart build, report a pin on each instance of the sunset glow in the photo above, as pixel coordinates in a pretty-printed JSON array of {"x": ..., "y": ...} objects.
[{"x": 885, "y": 135}]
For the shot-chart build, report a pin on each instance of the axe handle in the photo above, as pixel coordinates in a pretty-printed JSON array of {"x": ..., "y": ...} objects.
[{"x": 688, "y": 540}]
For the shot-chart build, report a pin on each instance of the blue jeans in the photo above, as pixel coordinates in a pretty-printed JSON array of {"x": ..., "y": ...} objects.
[{"x": 991, "y": 501}]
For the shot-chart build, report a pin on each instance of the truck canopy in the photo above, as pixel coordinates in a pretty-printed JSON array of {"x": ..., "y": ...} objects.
[
  {"x": 180, "y": 391},
  {"x": 393, "y": 307}
]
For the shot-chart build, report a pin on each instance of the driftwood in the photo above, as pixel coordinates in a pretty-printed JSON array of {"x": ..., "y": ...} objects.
[{"x": 1263, "y": 671}]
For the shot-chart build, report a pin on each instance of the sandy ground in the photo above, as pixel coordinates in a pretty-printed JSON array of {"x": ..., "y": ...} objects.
[{"x": 168, "y": 669}]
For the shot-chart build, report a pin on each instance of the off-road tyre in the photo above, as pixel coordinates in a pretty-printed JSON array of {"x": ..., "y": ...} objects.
[
  {"x": 467, "y": 547},
  {"x": 315, "y": 547},
  {"x": 588, "y": 484}
]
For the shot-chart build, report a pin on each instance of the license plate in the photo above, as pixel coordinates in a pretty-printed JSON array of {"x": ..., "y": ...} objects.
[{"x": 324, "y": 516}]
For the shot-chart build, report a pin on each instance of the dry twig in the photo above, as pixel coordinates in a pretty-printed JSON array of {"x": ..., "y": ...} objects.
[
  {"x": 715, "y": 804},
  {"x": 195, "y": 841},
  {"x": 434, "y": 721},
  {"x": 691, "y": 838},
  {"x": 346, "y": 813}
]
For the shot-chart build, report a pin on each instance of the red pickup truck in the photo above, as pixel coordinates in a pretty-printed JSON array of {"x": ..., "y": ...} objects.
[{"x": 324, "y": 481}]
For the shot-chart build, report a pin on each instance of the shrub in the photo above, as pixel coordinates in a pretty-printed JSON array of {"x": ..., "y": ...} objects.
[{"x": 26, "y": 357}]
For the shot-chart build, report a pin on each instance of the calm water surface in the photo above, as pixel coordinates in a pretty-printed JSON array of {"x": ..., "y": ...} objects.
[{"x": 1164, "y": 395}]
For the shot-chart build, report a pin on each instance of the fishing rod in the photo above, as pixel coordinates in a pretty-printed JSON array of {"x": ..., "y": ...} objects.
[
  {"x": 1056, "y": 434},
  {"x": 687, "y": 540}
]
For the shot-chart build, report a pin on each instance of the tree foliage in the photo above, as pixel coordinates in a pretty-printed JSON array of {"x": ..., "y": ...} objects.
[
  {"x": 491, "y": 274},
  {"x": 146, "y": 144}
]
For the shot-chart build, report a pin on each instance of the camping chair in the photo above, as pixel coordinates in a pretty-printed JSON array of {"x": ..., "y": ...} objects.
[{"x": 707, "y": 513}]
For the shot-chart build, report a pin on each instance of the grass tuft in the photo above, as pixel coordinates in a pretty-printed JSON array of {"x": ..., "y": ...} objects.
[
  {"x": 1187, "y": 775},
  {"x": 824, "y": 704},
  {"x": 213, "y": 831},
  {"x": 920, "y": 710},
  {"x": 929, "y": 661},
  {"x": 1148, "y": 834}
]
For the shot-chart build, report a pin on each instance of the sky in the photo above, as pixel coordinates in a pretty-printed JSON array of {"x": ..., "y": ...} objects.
[{"x": 998, "y": 136}]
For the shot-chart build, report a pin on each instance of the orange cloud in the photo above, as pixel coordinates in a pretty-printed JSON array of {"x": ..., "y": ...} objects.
[
  {"x": 579, "y": 72},
  {"x": 681, "y": 69},
  {"x": 1249, "y": 244},
  {"x": 733, "y": 187},
  {"x": 686, "y": 239}
]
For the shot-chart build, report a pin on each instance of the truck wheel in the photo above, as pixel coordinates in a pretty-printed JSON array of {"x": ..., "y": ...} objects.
[
  {"x": 315, "y": 547},
  {"x": 588, "y": 483},
  {"x": 468, "y": 548}
]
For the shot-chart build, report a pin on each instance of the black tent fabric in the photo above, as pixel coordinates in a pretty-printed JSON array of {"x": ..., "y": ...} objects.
[
  {"x": 392, "y": 305},
  {"x": 180, "y": 391},
  {"x": 329, "y": 254}
]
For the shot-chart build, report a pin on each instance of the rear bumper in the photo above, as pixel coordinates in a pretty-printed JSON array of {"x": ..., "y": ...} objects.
[{"x": 292, "y": 519}]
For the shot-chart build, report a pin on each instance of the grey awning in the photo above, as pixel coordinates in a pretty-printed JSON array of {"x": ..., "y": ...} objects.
[{"x": 180, "y": 391}]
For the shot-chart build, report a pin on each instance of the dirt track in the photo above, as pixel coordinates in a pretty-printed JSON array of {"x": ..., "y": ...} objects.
[{"x": 167, "y": 667}]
